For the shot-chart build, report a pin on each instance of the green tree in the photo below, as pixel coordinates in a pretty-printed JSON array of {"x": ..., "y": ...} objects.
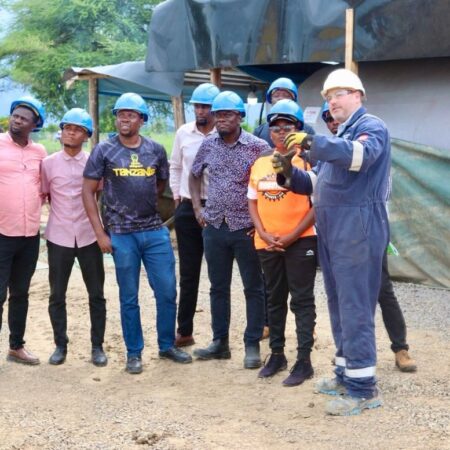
[{"x": 48, "y": 36}]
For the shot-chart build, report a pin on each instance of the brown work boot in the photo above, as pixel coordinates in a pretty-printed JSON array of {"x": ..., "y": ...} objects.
[
  {"x": 404, "y": 362},
  {"x": 23, "y": 356},
  {"x": 184, "y": 341}
]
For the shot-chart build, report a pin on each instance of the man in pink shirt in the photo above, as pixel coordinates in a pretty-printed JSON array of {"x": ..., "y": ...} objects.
[
  {"x": 20, "y": 206},
  {"x": 70, "y": 235}
]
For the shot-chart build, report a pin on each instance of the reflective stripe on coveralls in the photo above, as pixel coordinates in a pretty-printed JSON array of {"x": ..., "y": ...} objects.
[{"x": 353, "y": 231}]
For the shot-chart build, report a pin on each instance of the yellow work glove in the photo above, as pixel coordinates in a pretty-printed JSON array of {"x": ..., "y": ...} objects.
[
  {"x": 299, "y": 138},
  {"x": 282, "y": 164}
]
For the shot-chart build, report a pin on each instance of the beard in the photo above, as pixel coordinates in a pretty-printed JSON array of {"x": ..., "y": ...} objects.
[
  {"x": 201, "y": 121},
  {"x": 16, "y": 131},
  {"x": 224, "y": 133}
]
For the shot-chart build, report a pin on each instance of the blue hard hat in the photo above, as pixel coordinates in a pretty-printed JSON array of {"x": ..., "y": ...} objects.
[
  {"x": 325, "y": 109},
  {"x": 204, "y": 94},
  {"x": 80, "y": 117},
  {"x": 285, "y": 108},
  {"x": 35, "y": 105},
  {"x": 133, "y": 102},
  {"x": 282, "y": 83},
  {"x": 228, "y": 101}
]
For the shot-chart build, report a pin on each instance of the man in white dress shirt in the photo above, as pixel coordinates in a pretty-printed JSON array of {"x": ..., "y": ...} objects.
[{"x": 189, "y": 233}]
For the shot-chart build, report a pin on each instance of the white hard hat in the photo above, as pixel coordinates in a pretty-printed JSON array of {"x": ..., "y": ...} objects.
[{"x": 342, "y": 78}]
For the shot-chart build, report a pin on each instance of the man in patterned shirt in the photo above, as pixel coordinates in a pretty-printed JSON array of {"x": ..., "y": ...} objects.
[
  {"x": 228, "y": 157},
  {"x": 135, "y": 171}
]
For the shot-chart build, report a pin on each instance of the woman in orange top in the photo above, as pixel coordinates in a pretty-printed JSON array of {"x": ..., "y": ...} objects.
[{"x": 285, "y": 239}]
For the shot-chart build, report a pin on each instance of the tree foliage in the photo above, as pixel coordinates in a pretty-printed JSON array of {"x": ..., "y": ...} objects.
[{"x": 49, "y": 36}]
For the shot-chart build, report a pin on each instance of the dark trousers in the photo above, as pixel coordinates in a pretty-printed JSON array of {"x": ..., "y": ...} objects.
[
  {"x": 18, "y": 258},
  {"x": 291, "y": 272},
  {"x": 222, "y": 246},
  {"x": 190, "y": 254},
  {"x": 60, "y": 261},
  {"x": 390, "y": 309}
]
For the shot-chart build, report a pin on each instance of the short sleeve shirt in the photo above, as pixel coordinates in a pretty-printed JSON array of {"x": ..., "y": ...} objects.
[
  {"x": 229, "y": 172},
  {"x": 20, "y": 187},
  {"x": 62, "y": 177},
  {"x": 280, "y": 210},
  {"x": 130, "y": 175}
]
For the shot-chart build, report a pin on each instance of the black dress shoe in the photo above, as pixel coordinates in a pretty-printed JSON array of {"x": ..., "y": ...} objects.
[
  {"x": 134, "y": 365},
  {"x": 302, "y": 370},
  {"x": 58, "y": 356},
  {"x": 218, "y": 349},
  {"x": 252, "y": 358},
  {"x": 99, "y": 358},
  {"x": 276, "y": 363},
  {"x": 176, "y": 355}
]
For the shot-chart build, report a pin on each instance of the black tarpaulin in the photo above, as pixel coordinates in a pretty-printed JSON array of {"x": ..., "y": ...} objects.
[
  {"x": 201, "y": 34},
  {"x": 193, "y": 34}
]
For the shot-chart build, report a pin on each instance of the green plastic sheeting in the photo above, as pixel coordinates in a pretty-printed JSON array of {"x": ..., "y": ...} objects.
[{"x": 420, "y": 214}]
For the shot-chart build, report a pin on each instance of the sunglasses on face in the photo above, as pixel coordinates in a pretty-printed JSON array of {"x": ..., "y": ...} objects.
[{"x": 278, "y": 129}]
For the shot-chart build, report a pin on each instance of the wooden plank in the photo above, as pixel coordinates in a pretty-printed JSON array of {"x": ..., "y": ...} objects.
[
  {"x": 349, "y": 34},
  {"x": 216, "y": 77},
  {"x": 178, "y": 111},
  {"x": 93, "y": 110}
]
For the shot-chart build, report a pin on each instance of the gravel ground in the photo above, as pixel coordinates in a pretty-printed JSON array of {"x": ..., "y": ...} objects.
[{"x": 217, "y": 404}]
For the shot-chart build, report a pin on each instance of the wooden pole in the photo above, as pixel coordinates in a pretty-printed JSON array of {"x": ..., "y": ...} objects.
[
  {"x": 93, "y": 109},
  {"x": 178, "y": 111},
  {"x": 216, "y": 77},
  {"x": 349, "y": 34}
]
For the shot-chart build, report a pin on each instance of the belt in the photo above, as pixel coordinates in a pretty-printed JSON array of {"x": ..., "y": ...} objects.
[{"x": 188, "y": 200}]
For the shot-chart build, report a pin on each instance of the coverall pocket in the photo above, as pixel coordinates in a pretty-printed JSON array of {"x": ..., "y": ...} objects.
[
  {"x": 365, "y": 215},
  {"x": 337, "y": 176}
]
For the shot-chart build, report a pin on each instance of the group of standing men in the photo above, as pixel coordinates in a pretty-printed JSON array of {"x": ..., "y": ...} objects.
[{"x": 236, "y": 199}]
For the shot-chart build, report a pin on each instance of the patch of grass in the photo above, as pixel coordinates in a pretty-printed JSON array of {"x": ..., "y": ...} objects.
[
  {"x": 47, "y": 140},
  {"x": 166, "y": 140}
]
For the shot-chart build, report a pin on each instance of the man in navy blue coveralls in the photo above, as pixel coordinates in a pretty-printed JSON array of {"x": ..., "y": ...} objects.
[{"x": 349, "y": 183}]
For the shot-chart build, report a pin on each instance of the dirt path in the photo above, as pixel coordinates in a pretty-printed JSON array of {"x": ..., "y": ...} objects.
[{"x": 218, "y": 404}]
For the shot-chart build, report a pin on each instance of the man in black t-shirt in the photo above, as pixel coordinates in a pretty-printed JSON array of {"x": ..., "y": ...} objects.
[{"x": 134, "y": 170}]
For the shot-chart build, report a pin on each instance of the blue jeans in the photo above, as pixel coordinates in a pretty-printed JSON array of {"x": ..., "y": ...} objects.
[
  {"x": 222, "y": 246},
  {"x": 154, "y": 249}
]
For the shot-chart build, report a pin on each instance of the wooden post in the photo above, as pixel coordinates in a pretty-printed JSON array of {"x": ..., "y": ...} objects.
[
  {"x": 93, "y": 110},
  {"x": 216, "y": 77},
  {"x": 178, "y": 111},
  {"x": 349, "y": 34}
]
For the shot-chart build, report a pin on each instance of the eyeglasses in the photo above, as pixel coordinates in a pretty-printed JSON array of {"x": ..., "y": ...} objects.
[
  {"x": 277, "y": 129},
  {"x": 338, "y": 94}
]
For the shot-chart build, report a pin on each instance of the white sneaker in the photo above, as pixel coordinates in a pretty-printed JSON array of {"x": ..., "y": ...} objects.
[
  {"x": 329, "y": 386},
  {"x": 352, "y": 406}
]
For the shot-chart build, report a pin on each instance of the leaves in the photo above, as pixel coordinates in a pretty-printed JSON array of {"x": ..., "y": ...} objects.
[{"x": 49, "y": 36}]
